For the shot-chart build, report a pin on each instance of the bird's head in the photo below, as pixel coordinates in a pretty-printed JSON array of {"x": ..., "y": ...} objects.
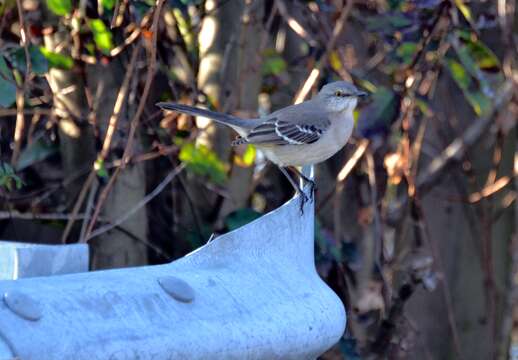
[{"x": 340, "y": 96}]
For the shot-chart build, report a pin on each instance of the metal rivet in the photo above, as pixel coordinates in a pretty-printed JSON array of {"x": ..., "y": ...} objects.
[
  {"x": 23, "y": 305},
  {"x": 177, "y": 288}
]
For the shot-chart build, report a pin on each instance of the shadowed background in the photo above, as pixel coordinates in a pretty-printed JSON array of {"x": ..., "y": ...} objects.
[{"x": 415, "y": 216}]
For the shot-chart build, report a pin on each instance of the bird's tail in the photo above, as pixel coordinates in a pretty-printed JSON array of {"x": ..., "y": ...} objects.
[{"x": 236, "y": 123}]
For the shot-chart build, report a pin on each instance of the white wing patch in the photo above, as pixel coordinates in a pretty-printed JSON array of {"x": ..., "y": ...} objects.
[{"x": 278, "y": 132}]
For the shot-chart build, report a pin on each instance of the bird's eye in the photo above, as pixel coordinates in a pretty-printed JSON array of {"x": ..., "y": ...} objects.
[{"x": 339, "y": 93}]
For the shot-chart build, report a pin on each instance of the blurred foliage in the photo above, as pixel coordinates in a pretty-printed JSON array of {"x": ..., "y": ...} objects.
[
  {"x": 273, "y": 63},
  {"x": 37, "y": 151},
  {"x": 60, "y": 7},
  {"x": 58, "y": 61},
  {"x": 102, "y": 36},
  {"x": 7, "y": 85},
  {"x": 202, "y": 161},
  {"x": 417, "y": 58},
  {"x": 8, "y": 178}
]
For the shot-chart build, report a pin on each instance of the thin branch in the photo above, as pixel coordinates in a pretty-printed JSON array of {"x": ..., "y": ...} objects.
[
  {"x": 462, "y": 143},
  {"x": 119, "y": 102},
  {"x": 139, "y": 205},
  {"x": 313, "y": 76},
  {"x": 128, "y": 41},
  {"x": 149, "y": 80},
  {"x": 32, "y": 111},
  {"x": 134, "y": 122},
  {"x": 294, "y": 24},
  {"x": 20, "y": 92},
  {"x": 114, "y": 119},
  {"x": 45, "y": 216},
  {"x": 345, "y": 171},
  {"x": 490, "y": 189},
  {"x": 77, "y": 206}
]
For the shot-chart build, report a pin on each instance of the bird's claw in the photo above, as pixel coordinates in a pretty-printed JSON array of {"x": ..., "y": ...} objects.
[
  {"x": 303, "y": 199},
  {"x": 312, "y": 188}
]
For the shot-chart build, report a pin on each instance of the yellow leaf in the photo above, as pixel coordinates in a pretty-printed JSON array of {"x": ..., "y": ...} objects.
[
  {"x": 466, "y": 12},
  {"x": 335, "y": 61},
  {"x": 248, "y": 157}
]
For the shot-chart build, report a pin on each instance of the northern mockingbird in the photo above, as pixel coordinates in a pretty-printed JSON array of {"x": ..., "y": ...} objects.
[{"x": 297, "y": 135}]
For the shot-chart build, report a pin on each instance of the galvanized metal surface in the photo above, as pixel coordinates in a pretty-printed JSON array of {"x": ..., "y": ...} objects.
[
  {"x": 23, "y": 260},
  {"x": 250, "y": 294}
]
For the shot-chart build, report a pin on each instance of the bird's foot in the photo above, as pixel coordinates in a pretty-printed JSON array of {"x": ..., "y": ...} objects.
[
  {"x": 312, "y": 189},
  {"x": 303, "y": 200}
]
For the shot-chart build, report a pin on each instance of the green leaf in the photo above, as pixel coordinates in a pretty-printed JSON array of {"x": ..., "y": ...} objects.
[
  {"x": 203, "y": 161},
  {"x": 39, "y": 64},
  {"x": 424, "y": 107},
  {"x": 479, "y": 102},
  {"x": 184, "y": 25},
  {"x": 100, "y": 168},
  {"x": 102, "y": 35},
  {"x": 8, "y": 176},
  {"x": 37, "y": 151},
  {"x": 459, "y": 74},
  {"x": 60, "y": 7},
  {"x": 273, "y": 63},
  {"x": 406, "y": 52},
  {"x": 59, "y": 61},
  {"x": 7, "y": 85},
  {"x": 474, "y": 52},
  {"x": 240, "y": 217},
  {"x": 108, "y": 4}
]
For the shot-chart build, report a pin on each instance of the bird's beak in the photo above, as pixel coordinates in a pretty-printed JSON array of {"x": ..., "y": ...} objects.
[{"x": 361, "y": 94}]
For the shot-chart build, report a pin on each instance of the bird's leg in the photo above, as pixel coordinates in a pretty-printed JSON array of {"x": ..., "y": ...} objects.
[
  {"x": 298, "y": 190},
  {"x": 312, "y": 184}
]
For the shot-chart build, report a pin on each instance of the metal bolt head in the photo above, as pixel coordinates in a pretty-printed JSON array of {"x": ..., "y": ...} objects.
[
  {"x": 177, "y": 288},
  {"x": 23, "y": 305}
]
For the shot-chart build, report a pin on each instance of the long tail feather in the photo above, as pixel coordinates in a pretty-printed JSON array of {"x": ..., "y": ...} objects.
[{"x": 225, "y": 119}]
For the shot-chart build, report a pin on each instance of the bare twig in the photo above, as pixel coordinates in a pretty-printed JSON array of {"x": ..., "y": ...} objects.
[
  {"x": 77, "y": 206},
  {"x": 20, "y": 92},
  {"x": 346, "y": 170},
  {"x": 338, "y": 189},
  {"x": 119, "y": 102},
  {"x": 313, "y": 76},
  {"x": 490, "y": 189},
  {"x": 139, "y": 205},
  {"x": 32, "y": 111},
  {"x": 134, "y": 121},
  {"x": 118, "y": 14},
  {"x": 128, "y": 41},
  {"x": 293, "y": 23},
  {"x": 88, "y": 209},
  {"x": 43, "y": 216},
  {"x": 149, "y": 80},
  {"x": 20, "y": 125},
  {"x": 459, "y": 146}
]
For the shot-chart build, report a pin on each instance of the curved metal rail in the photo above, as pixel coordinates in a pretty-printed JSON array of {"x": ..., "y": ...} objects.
[{"x": 252, "y": 293}]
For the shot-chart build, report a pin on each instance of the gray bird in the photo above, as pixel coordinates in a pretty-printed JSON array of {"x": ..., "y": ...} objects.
[{"x": 297, "y": 135}]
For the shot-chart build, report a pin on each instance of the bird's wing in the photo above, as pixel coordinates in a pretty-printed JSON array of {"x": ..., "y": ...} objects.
[{"x": 275, "y": 131}]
